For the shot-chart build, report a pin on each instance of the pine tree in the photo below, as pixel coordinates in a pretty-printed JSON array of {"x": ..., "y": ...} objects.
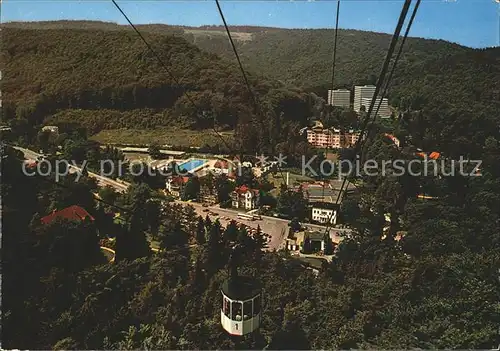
[
  {"x": 201, "y": 232},
  {"x": 174, "y": 237},
  {"x": 215, "y": 246},
  {"x": 208, "y": 223},
  {"x": 231, "y": 232},
  {"x": 306, "y": 245},
  {"x": 328, "y": 244},
  {"x": 130, "y": 244},
  {"x": 260, "y": 240},
  {"x": 198, "y": 275}
]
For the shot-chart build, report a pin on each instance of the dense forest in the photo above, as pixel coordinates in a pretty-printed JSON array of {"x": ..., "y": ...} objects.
[{"x": 105, "y": 79}]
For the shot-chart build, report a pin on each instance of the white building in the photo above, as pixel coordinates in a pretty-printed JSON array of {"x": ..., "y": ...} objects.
[
  {"x": 51, "y": 129},
  {"x": 362, "y": 92},
  {"x": 175, "y": 185},
  {"x": 323, "y": 215},
  {"x": 221, "y": 167},
  {"x": 244, "y": 197},
  {"x": 339, "y": 98},
  {"x": 383, "y": 112}
]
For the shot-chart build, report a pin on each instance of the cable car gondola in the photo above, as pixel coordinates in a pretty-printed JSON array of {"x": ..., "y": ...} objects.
[{"x": 241, "y": 300}]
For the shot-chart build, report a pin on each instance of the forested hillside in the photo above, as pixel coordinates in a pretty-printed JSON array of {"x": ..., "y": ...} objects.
[
  {"x": 107, "y": 79},
  {"x": 107, "y": 72},
  {"x": 304, "y": 56},
  {"x": 435, "y": 72}
]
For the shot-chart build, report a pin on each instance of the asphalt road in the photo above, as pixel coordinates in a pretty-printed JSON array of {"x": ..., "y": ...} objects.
[{"x": 102, "y": 181}]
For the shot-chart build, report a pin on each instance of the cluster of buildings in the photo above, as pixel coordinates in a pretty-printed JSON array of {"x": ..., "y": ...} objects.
[
  {"x": 335, "y": 138},
  {"x": 363, "y": 96},
  {"x": 242, "y": 197}
]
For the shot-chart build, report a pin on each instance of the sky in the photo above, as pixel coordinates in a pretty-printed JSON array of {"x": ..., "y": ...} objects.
[{"x": 473, "y": 23}]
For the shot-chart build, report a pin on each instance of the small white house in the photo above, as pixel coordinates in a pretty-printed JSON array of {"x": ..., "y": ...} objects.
[
  {"x": 221, "y": 167},
  {"x": 51, "y": 129},
  {"x": 323, "y": 212}
]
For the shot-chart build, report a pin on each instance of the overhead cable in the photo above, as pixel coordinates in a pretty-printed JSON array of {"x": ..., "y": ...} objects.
[{"x": 390, "y": 51}]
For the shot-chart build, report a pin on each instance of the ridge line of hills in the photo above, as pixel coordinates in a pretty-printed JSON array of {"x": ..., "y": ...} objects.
[
  {"x": 71, "y": 74},
  {"x": 106, "y": 25}
]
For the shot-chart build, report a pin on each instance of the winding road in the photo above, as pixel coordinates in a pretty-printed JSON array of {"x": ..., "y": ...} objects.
[{"x": 102, "y": 181}]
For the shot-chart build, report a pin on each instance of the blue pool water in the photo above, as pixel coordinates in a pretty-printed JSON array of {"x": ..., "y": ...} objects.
[{"x": 191, "y": 164}]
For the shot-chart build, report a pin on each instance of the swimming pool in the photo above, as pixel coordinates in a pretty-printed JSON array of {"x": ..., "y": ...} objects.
[{"x": 192, "y": 164}]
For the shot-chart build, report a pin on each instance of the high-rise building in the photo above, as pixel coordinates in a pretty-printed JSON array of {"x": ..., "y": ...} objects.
[
  {"x": 383, "y": 112},
  {"x": 339, "y": 98},
  {"x": 361, "y": 92}
]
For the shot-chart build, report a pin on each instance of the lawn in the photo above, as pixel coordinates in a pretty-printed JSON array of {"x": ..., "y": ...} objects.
[
  {"x": 236, "y": 35},
  {"x": 163, "y": 136}
]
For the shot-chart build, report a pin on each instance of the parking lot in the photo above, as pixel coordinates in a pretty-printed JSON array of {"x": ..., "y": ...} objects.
[{"x": 276, "y": 229}]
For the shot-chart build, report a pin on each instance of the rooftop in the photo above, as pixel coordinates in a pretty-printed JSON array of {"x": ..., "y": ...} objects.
[
  {"x": 242, "y": 288},
  {"x": 145, "y": 150},
  {"x": 298, "y": 238},
  {"x": 221, "y": 164},
  {"x": 74, "y": 213},
  {"x": 179, "y": 180},
  {"x": 324, "y": 205},
  {"x": 243, "y": 189}
]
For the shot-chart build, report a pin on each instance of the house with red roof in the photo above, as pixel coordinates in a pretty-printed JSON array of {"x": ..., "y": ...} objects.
[
  {"x": 30, "y": 164},
  {"x": 222, "y": 167},
  {"x": 245, "y": 197},
  {"x": 175, "y": 185},
  {"x": 393, "y": 139},
  {"x": 72, "y": 213}
]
